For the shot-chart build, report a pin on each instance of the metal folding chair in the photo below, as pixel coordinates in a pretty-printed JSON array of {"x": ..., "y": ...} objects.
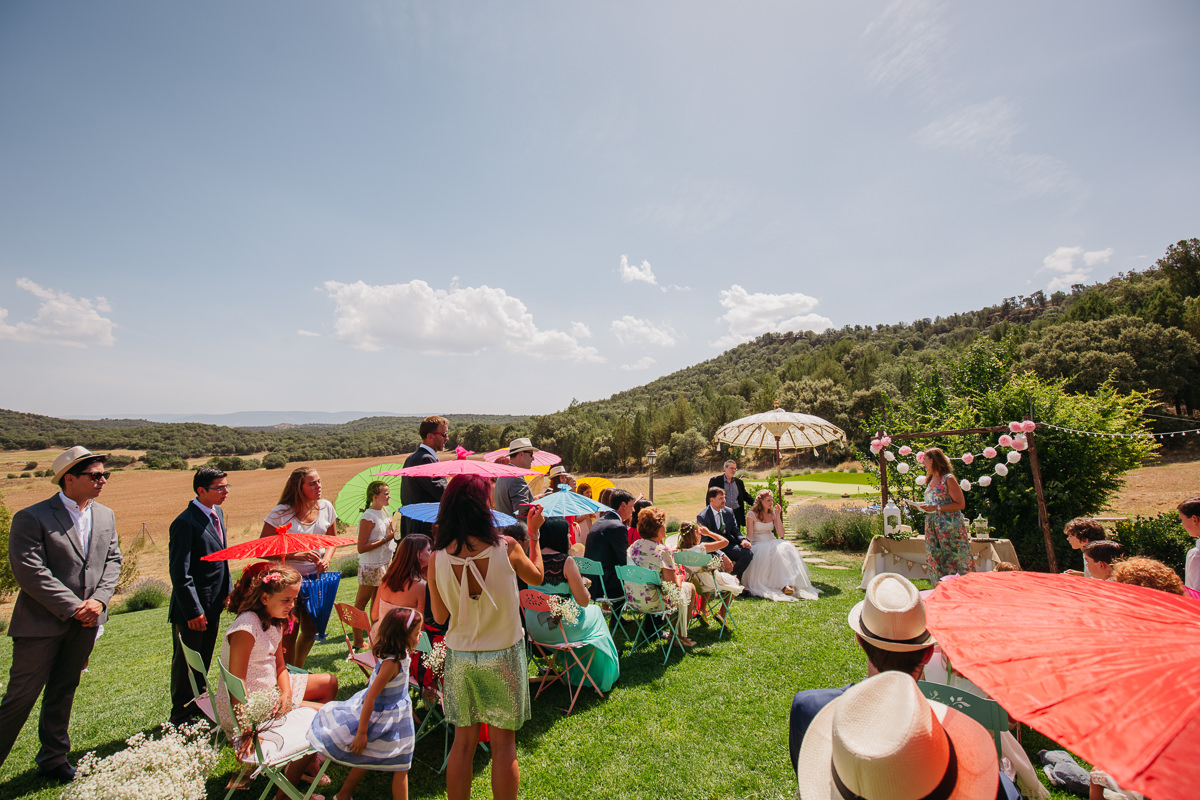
[
  {"x": 697, "y": 564},
  {"x": 559, "y": 657},
  {"x": 652, "y": 617},
  {"x": 611, "y": 605},
  {"x": 353, "y": 619}
]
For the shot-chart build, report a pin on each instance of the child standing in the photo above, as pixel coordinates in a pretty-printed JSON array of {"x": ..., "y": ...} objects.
[
  {"x": 374, "y": 728},
  {"x": 1189, "y": 517}
]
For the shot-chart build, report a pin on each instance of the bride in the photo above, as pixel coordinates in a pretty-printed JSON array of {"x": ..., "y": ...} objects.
[{"x": 777, "y": 571}]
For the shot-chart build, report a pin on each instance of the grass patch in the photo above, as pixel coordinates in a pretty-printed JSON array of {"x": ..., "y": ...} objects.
[
  {"x": 711, "y": 724},
  {"x": 861, "y": 479}
]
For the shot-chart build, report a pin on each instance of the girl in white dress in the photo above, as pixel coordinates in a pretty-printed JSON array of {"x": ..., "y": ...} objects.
[{"x": 777, "y": 571}]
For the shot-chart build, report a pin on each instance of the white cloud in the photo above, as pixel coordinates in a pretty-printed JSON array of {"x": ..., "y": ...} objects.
[
  {"x": 630, "y": 273},
  {"x": 645, "y": 362},
  {"x": 750, "y": 315},
  {"x": 1062, "y": 263},
  {"x": 458, "y": 321},
  {"x": 303, "y": 332},
  {"x": 630, "y": 329},
  {"x": 908, "y": 40},
  {"x": 580, "y": 331},
  {"x": 61, "y": 319}
]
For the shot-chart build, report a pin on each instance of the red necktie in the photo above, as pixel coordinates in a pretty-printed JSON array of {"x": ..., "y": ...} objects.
[{"x": 217, "y": 525}]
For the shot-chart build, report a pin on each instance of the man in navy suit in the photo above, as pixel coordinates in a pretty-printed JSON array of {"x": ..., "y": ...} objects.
[
  {"x": 608, "y": 542},
  {"x": 198, "y": 588},
  {"x": 719, "y": 519},
  {"x": 433, "y": 431},
  {"x": 66, "y": 558}
]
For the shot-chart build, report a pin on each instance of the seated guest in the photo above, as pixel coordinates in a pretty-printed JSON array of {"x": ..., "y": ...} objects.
[
  {"x": 650, "y": 551},
  {"x": 1100, "y": 556},
  {"x": 583, "y": 522},
  {"x": 1080, "y": 531},
  {"x": 638, "y": 505},
  {"x": 719, "y": 519},
  {"x": 698, "y": 539},
  {"x": 404, "y": 584},
  {"x": 591, "y": 629},
  {"x": 608, "y": 541},
  {"x": 883, "y": 740},
  {"x": 1147, "y": 572},
  {"x": 1189, "y": 518}
]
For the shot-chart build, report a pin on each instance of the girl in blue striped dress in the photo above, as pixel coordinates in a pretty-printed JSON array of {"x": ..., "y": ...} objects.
[{"x": 373, "y": 730}]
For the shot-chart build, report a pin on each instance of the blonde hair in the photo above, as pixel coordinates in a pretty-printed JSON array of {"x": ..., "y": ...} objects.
[{"x": 757, "y": 508}]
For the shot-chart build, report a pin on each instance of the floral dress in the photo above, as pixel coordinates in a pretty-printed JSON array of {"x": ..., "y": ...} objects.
[{"x": 947, "y": 541}]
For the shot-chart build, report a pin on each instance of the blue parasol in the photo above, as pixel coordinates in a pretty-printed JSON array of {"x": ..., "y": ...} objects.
[
  {"x": 566, "y": 503},
  {"x": 428, "y": 512},
  {"x": 322, "y": 592}
]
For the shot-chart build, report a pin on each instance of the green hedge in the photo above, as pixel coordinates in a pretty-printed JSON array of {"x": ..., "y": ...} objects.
[{"x": 1160, "y": 537}]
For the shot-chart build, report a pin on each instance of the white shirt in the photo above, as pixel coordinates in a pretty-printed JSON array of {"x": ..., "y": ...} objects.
[
  {"x": 432, "y": 452},
  {"x": 81, "y": 518}
]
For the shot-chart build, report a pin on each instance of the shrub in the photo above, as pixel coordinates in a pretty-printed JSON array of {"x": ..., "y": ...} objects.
[
  {"x": 26, "y": 475},
  {"x": 1161, "y": 538},
  {"x": 232, "y": 463},
  {"x": 3, "y": 625},
  {"x": 8, "y": 584},
  {"x": 274, "y": 461},
  {"x": 673, "y": 526},
  {"x": 12, "y": 475},
  {"x": 30, "y": 466},
  {"x": 146, "y": 593},
  {"x": 836, "y": 530},
  {"x": 348, "y": 566}
]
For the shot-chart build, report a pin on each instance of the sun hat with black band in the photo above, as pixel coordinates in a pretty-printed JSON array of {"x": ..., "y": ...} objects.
[
  {"x": 69, "y": 458},
  {"x": 891, "y": 616},
  {"x": 882, "y": 740},
  {"x": 522, "y": 445}
]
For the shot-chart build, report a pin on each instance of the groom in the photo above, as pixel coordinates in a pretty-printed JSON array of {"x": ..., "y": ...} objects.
[{"x": 719, "y": 519}]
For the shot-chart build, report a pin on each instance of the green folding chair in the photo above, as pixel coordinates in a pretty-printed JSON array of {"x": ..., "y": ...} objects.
[
  {"x": 276, "y": 747},
  {"x": 654, "y": 616},
  {"x": 435, "y": 717},
  {"x": 984, "y": 710},
  {"x": 613, "y": 605},
  {"x": 697, "y": 564},
  {"x": 559, "y": 657},
  {"x": 206, "y": 701}
]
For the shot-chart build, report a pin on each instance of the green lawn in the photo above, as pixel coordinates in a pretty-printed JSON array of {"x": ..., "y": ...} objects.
[{"x": 711, "y": 724}]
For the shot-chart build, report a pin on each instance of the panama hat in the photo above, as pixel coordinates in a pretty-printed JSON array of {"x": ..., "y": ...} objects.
[
  {"x": 892, "y": 615},
  {"x": 882, "y": 740},
  {"x": 69, "y": 458},
  {"x": 521, "y": 445}
]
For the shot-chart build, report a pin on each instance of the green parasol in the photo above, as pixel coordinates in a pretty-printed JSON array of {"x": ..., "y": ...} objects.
[{"x": 353, "y": 496}]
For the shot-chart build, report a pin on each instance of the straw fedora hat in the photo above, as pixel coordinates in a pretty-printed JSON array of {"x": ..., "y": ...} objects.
[
  {"x": 521, "y": 445},
  {"x": 892, "y": 615},
  {"x": 882, "y": 740},
  {"x": 69, "y": 458}
]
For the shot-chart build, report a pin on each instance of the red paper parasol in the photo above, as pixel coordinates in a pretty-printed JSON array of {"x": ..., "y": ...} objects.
[
  {"x": 541, "y": 458},
  {"x": 280, "y": 544},
  {"x": 1109, "y": 671},
  {"x": 459, "y": 466}
]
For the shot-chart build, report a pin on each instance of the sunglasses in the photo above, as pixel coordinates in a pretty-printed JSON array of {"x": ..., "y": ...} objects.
[{"x": 95, "y": 476}]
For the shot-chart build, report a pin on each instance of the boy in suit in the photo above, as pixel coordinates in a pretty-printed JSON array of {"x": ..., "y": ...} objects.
[{"x": 198, "y": 588}]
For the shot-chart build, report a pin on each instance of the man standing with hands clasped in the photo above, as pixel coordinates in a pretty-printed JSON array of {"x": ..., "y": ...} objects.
[
  {"x": 198, "y": 588},
  {"x": 66, "y": 559}
]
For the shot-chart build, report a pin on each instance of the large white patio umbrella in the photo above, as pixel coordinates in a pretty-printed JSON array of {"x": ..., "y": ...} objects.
[{"x": 780, "y": 429}]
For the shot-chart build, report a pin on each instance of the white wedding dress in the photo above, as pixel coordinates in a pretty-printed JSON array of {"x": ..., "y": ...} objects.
[{"x": 776, "y": 564}]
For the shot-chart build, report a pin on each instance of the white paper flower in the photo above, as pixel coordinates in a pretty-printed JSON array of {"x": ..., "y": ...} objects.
[
  {"x": 902, "y": 468},
  {"x": 1001, "y": 470},
  {"x": 985, "y": 481},
  {"x": 920, "y": 480},
  {"x": 1013, "y": 456},
  {"x": 889, "y": 455},
  {"x": 965, "y": 485}
]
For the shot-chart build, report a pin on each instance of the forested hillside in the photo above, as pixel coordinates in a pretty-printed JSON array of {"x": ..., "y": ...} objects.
[{"x": 1138, "y": 332}]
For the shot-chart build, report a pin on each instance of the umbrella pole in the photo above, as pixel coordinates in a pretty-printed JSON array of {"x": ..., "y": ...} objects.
[{"x": 778, "y": 472}]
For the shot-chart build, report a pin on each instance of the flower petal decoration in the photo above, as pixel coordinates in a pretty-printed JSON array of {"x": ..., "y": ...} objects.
[
  {"x": 1028, "y": 426},
  {"x": 989, "y": 452},
  {"x": 1001, "y": 470},
  {"x": 921, "y": 457},
  {"x": 965, "y": 485},
  {"x": 1014, "y": 426},
  {"x": 886, "y": 441},
  {"x": 902, "y": 468},
  {"x": 1013, "y": 457},
  {"x": 985, "y": 481},
  {"x": 920, "y": 480},
  {"x": 1005, "y": 441},
  {"x": 905, "y": 450},
  {"x": 967, "y": 458},
  {"x": 889, "y": 455}
]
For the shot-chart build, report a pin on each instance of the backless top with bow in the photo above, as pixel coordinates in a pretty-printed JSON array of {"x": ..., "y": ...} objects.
[{"x": 490, "y": 620}]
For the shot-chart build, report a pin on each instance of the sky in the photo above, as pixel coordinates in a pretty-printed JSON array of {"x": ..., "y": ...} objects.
[{"x": 498, "y": 207}]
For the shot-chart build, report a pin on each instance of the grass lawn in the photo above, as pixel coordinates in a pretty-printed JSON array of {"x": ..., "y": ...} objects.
[{"x": 711, "y": 724}]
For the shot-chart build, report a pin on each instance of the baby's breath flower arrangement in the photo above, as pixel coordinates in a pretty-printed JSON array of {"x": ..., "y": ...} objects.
[
  {"x": 672, "y": 595},
  {"x": 260, "y": 711},
  {"x": 435, "y": 659},
  {"x": 172, "y": 767},
  {"x": 563, "y": 609},
  {"x": 714, "y": 563}
]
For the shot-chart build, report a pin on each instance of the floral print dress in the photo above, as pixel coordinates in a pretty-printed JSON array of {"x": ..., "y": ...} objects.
[{"x": 947, "y": 541}]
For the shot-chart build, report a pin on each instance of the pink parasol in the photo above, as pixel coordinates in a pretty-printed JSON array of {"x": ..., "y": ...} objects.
[
  {"x": 1109, "y": 671},
  {"x": 541, "y": 458},
  {"x": 280, "y": 544},
  {"x": 459, "y": 466}
]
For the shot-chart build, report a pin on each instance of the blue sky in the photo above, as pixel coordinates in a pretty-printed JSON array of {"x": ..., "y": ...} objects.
[{"x": 497, "y": 207}]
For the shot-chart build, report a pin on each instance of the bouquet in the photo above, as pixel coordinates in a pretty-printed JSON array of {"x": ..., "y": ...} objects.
[
  {"x": 435, "y": 659},
  {"x": 714, "y": 563},
  {"x": 672, "y": 595},
  {"x": 563, "y": 610},
  {"x": 261, "y": 711},
  {"x": 173, "y": 766}
]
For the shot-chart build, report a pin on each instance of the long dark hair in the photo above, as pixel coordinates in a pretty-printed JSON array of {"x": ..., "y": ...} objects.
[
  {"x": 556, "y": 535},
  {"x": 395, "y": 630},
  {"x": 466, "y": 513},
  {"x": 405, "y": 569}
]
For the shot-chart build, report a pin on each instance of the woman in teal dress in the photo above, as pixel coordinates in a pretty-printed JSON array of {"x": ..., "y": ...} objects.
[
  {"x": 947, "y": 540},
  {"x": 591, "y": 629}
]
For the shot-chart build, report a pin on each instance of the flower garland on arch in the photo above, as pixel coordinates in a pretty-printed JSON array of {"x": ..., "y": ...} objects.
[{"x": 1016, "y": 442}]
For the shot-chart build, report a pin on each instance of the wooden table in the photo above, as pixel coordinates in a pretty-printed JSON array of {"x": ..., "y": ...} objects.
[{"x": 907, "y": 557}]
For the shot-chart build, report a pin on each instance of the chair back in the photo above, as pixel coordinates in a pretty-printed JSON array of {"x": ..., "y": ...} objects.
[
  {"x": 423, "y": 643},
  {"x": 985, "y": 711},
  {"x": 353, "y": 617},
  {"x": 194, "y": 662},
  {"x": 632, "y": 575},
  {"x": 233, "y": 685},
  {"x": 690, "y": 558},
  {"x": 594, "y": 569},
  {"x": 534, "y": 600}
]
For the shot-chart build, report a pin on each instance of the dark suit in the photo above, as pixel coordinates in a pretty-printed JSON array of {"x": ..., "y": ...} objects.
[
  {"x": 50, "y": 647},
  {"x": 419, "y": 490},
  {"x": 738, "y": 506},
  {"x": 608, "y": 543},
  {"x": 197, "y": 587},
  {"x": 740, "y": 556}
]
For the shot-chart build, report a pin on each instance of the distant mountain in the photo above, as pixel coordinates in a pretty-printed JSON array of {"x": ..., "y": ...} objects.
[{"x": 253, "y": 419}]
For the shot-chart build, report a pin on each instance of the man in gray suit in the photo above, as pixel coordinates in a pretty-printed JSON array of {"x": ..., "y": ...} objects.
[
  {"x": 198, "y": 587},
  {"x": 66, "y": 559}
]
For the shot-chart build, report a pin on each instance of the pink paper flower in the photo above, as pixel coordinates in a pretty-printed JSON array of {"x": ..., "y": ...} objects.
[
  {"x": 989, "y": 452},
  {"x": 886, "y": 441},
  {"x": 905, "y": 450},
  {"x": 1005, "y": 441},
  {"x": 1028, "y": 426},
  {"x": 921, "y": 457},
  {"x": 967, "y": 458},
  {"x": 1015, "y": 427}
]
